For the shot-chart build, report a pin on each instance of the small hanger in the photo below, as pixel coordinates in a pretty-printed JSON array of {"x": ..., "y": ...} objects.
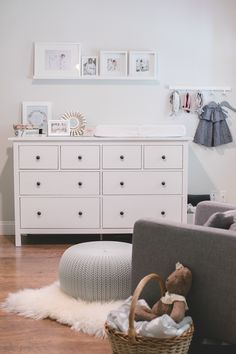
[
  {"x": 227, "y": 105},
  {"x": 175, "y": 102}
]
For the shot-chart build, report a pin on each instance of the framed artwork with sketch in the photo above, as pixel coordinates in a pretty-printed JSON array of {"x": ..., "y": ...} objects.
[
  {"x": 142, "y": 64},
  {"x": 113, "y": 64},
  {"x": 57, "y": 60},
  {"x": 89, "y": 66}
]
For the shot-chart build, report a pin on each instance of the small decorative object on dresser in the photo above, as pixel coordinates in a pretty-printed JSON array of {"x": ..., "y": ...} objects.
[
  {"x": 77, "y": 122},
  {"x": 56, "y": 60},
  {"x": 142, "y": 64},
  {"x": 113, "y": 63},
  {"x": 36, "y": 114},
  {"x": 58, "y": 127},
  {"x": 89, "y": 66},
  {"x": 25, "y": 129}
]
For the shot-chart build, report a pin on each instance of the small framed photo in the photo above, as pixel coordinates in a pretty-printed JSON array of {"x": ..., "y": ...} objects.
[
  {"x": 57, "y": 60},
  {"x": 89, "y": 66},
  {"x": 58, "y": 127},
  {"x": 142, "y": 64},
  {"x": 36, "y": 114},
  {"x": 113, "y": 63}
]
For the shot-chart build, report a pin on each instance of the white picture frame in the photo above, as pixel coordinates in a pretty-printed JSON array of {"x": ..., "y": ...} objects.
[
  {"x": 36, "y": 113},
  {"x": 113, "y": 63},
  {"x": 142, "y": 64},
  {"x": 89, "y": 66},
  {"x": 57, "y": 60},
  {"x": 58, "y": 127}
]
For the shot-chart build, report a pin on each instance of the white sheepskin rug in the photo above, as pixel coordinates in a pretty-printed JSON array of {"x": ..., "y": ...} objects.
[{"x": 51, "y": 302}]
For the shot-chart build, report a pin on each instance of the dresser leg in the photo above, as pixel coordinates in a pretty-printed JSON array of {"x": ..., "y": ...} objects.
[
  {"x": 18, "y": 239},
  {"x": 101, "y": 237}
]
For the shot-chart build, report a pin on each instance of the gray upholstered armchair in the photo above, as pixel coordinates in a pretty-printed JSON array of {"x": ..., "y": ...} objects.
[{"x": 211, "y": 255}]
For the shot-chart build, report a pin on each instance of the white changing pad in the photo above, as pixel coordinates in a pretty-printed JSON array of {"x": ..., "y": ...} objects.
[{"x": 146, "y": 130}]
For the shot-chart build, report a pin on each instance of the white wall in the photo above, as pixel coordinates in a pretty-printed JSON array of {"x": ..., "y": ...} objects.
[{"x": 195, "y": 41}]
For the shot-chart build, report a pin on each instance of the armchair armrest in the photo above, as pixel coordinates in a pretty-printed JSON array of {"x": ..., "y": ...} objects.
[{"x": 205, "y": 209}]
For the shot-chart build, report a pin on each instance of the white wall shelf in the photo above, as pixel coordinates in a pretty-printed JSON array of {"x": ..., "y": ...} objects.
[{"x": 99, "y": 78}]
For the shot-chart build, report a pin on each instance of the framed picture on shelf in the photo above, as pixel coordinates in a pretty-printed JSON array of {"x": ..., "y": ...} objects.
[
  {"x": 142, "y": 64},
  {"x": 37, "y": 114},
  {"x": 113, "y": 63},
  {"x": 89, "y": 66},
  {"x": 57, "y": 60},
  {"x": 58, "y": 127}
]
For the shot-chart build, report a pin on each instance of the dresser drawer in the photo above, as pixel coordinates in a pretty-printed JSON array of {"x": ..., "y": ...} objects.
[
  {"x": 38, "y": 157},
  {"x": 163, "y": 156},
  {"x": 80, "y": 157},
  {"x": 121, "y": 156},
  {"x": 131, "y": 182},
  {"x": 59, "y": 183},
  {"x": 64, "y": 213},
  {"x": 123, "y": 211}
]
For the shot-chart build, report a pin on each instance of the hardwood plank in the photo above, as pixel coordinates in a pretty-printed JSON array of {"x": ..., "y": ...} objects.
[{"x": 33, "y": 266}]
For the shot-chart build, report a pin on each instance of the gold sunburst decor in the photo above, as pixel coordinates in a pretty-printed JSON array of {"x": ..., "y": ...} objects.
[{"x": 77, "y": 122}]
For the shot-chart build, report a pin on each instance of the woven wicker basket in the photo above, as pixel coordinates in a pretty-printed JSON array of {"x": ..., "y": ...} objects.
[{"x": 132, "y": 343}]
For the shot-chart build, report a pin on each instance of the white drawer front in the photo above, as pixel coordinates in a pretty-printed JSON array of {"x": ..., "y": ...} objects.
[
  {"x": 80, "y": 157},
  {"x": 64, "y": 213},
  {"x": 59, "y": 183},
  {"x": 123, "y": 211},
  {"x": 128, "y": 182},
  {"x": 123, "y": 156},
  {"x": 38, "y": 157},
  {"x": 163, "y": 156}
]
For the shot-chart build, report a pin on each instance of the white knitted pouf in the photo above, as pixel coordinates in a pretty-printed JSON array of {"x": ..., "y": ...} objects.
[{"x": 96, "y": 271}]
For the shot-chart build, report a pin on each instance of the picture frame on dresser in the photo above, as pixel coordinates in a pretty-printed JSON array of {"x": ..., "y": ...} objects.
[
  {"x": 89, "y": 66},
  {"x": 57, "y": 60},
  {"x": 142, "y": 64},
  {"x": 37, "y": 113},
  {"x": 113, "y": 64},
  {"x": 58, "y": 127}
]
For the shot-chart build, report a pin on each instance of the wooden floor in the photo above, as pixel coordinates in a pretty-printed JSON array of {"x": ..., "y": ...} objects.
[
  {"x": 34, "y": 265},
  {"x": 31, "y": 266}
]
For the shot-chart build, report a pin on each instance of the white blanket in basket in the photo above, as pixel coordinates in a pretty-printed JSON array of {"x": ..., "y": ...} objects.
[{"x": 160, "y": 327}]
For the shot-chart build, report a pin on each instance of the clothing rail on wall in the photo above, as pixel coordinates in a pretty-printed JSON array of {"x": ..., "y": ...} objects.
[{"x": 200, "y": 88}]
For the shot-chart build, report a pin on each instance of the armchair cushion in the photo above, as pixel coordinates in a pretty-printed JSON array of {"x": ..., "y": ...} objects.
[
  {"x": 222, "y": 220},
  {"x": 205, "y": 209},
  {"x": 233, "y": 227}
]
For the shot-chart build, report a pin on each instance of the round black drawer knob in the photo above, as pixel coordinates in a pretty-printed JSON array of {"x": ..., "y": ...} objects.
[
  {"x": 122, "y": 157},
  {"x": 39, "y": 213},
  {"x": 80, "y": 184},
  {"x": 121, "y": 213},
  {"x": 80, "y": 213},
  {"x": 122, "y": 183},
  {"x": 38, "y": 184},
  {"x": 79, "y": 157},
  {"x": 163, "y": 183},
  {"x": 37, "y": 157},
  {"x": 163, "y": 212},
  {"x": 163, "y": 157}
]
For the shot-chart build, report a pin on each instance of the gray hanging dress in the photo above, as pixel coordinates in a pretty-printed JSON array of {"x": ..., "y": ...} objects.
[{"x": 212, "y": 129}]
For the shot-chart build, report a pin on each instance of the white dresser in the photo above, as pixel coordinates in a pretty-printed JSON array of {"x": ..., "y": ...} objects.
[{"x": 91, "y": 185}]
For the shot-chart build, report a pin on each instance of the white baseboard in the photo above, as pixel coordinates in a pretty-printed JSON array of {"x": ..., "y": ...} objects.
[{"x": 7, "y": 228}]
